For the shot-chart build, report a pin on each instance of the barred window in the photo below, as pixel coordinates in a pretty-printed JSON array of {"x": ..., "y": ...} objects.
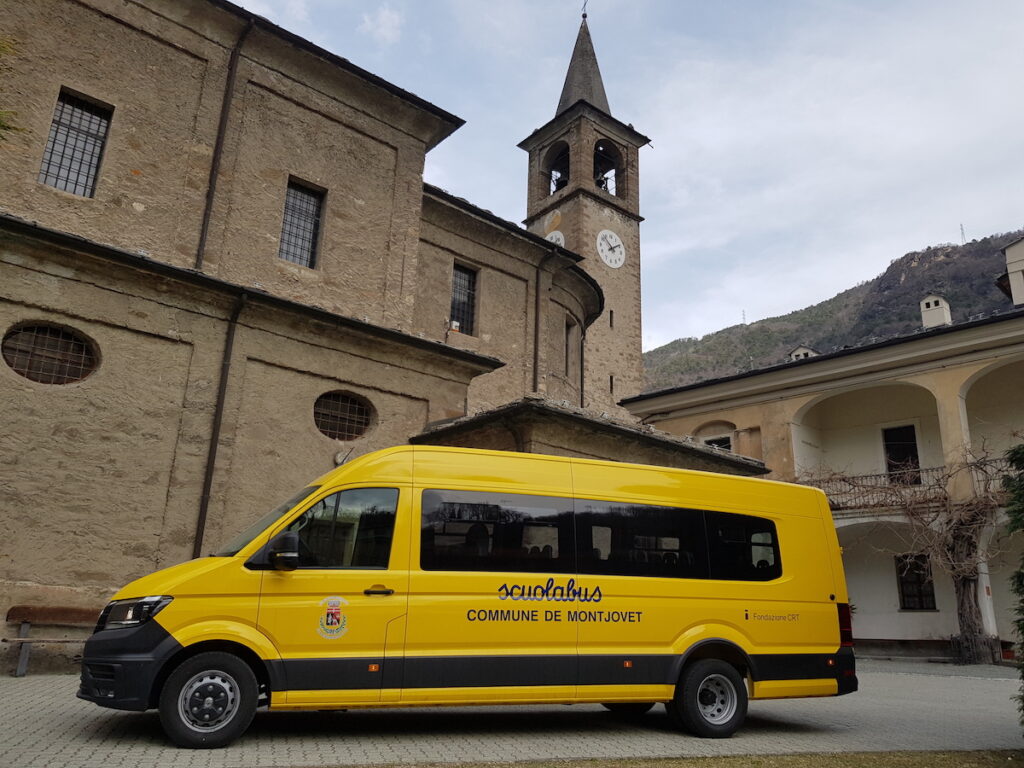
[
  {"x": 301, "y": 228},
  {"x": 74, "y": 148},
  {"x": 463, "y": 313},
  {"x": 342, "y": 415},
  {"x": 48, "y": 354},
  {"x": 914, "y": 580}
]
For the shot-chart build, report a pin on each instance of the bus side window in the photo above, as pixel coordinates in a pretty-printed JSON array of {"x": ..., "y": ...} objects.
[
  {"x": 742, "y": 547},
  {"x": 493, "y": 531},
  {"x": 641, "y": 540}
]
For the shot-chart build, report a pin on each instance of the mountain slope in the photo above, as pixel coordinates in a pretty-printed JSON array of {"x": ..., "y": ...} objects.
[{"x": 881, "y": 308}]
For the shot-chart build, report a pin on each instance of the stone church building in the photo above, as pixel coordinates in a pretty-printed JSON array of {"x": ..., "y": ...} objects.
[{"x": 221, "y": 274}]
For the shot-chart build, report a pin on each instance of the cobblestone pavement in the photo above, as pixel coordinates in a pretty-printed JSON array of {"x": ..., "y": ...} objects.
[{"x": 900, "y": 705}]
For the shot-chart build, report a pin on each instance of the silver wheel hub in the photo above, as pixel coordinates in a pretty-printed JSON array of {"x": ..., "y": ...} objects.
[
  {"x": 717, "y": 699},
  {"x": 208, "y": 701}
]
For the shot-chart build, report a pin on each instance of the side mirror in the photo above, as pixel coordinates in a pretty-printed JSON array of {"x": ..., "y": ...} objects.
[{"x": 284, "y": 551}]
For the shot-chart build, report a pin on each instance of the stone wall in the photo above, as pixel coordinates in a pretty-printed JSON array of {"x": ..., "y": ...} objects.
[
  {"x": 163, "y": 69},
  {"x": 508, "y": 266},
  {"x": 102, "y": 478}
]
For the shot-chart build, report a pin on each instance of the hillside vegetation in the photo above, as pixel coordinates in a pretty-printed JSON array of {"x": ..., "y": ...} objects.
[{"x": 881, "y": 308}]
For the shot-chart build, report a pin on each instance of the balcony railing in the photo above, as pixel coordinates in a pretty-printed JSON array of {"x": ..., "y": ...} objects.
[
  {"x": 908, "y": 486},
  {"x": 889, "y": 489},
  {"x": 988, "y": 477}
]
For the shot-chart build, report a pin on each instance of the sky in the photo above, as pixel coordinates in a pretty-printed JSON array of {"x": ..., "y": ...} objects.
[{"x": 798, "y": 146}]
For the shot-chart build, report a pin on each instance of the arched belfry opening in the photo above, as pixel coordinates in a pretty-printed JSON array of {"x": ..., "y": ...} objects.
[
  {"x": 556, "y": 166},
  {"x": 608, "y": 167}
]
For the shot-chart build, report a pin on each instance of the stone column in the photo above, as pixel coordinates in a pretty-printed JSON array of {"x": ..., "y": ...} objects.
[
  {"x": 954, "y": 431},
  {"x": 985, "y": 602}
]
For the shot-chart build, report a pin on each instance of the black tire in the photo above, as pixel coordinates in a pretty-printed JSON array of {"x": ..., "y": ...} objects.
[
  {"x": 710, "y": 700},
  {"x": 208, "y": 701},
  {"x": 629, "y": 709}
]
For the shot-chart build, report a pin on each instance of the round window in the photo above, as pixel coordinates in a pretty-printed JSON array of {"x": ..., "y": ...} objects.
[
  {"x": 342, "y": 415},
  {"x": 49, "y": 354}
]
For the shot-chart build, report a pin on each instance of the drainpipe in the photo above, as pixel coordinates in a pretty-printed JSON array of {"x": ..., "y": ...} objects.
[
  {"x": 218, "y": 419},
  {"x": 583, "y": 364},
  {"x": 218, "y": 146}
]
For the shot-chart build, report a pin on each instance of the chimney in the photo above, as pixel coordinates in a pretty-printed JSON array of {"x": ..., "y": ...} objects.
[
  {"x": 935, "y": 311},
  {"x": 1014, "y": 253},
  {"x": 801, "y": 353}
]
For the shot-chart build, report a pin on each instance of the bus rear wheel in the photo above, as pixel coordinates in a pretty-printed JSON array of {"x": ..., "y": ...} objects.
[
  {"x": 710, "y": 700},
  {"x": 208, "y": 701}
]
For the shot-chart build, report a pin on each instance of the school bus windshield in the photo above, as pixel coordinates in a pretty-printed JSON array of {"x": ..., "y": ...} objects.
[{"x": 234, "y": 546}]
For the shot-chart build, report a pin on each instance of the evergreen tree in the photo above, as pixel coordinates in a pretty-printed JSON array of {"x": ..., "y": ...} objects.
[{"x": 1013, "y": 483}]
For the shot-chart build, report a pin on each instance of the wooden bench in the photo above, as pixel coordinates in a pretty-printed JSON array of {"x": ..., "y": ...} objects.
[{"x": 27, "y": 615}]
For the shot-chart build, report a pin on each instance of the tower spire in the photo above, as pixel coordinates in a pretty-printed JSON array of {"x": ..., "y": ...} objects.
[{"x": 583, "y": 80}]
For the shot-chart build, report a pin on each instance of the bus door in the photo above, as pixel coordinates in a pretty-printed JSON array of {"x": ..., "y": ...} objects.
[{"x": 338, "y": 615}]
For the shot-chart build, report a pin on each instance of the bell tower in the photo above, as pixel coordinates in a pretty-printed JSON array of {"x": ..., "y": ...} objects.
[{"x": 583, "y": 193}]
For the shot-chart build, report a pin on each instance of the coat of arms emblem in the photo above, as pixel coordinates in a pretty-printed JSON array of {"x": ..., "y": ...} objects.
[{"x": 333, "y": 623}]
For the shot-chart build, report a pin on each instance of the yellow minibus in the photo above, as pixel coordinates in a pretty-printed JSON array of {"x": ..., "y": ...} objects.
[{"x": 429, "y": 575}]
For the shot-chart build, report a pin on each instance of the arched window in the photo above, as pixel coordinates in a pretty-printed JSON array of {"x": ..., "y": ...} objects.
[
  {"x": 607, "y": 166},
  {"x": 717, "y": 433},
  {"x": 556, "y": 166},
  {"x": 49, "y": 353}
]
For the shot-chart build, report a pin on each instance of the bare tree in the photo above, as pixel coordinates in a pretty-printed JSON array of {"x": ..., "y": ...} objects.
[{"x": 949, "y": 511}]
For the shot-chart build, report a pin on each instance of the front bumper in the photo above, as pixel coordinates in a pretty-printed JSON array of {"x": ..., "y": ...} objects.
[{"x": 121, "y": 666}]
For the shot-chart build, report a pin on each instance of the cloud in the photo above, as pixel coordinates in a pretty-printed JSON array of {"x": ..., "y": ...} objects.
[
  {"x": 785, "y": 175},
  {"x": 384, "y": 26}
]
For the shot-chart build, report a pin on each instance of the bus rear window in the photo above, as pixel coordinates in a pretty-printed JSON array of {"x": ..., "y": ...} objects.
[
  {"x": 674, "y": 542},
  {"x": 742, "y": 547}
]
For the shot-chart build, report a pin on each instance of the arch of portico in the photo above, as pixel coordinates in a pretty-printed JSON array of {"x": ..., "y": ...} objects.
[
  {"x": 994, "y": 407},
  {"x": 870, "y": 547},
  {"x": 840, "y": 432}
]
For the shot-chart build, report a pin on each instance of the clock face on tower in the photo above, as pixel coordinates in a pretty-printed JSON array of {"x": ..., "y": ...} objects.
[
  {"x": 610, "y": 248},
  {"x": 556, "y": 237}
]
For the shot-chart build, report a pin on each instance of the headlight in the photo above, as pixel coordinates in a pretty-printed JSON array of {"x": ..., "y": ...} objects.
[{"x": 131, "y": 613}]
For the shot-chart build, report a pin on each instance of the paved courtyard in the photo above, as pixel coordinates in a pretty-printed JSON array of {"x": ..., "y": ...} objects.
[{"x": 901, "y": 706}]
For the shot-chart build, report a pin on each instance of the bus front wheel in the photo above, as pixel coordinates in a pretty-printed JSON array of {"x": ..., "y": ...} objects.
[
  {"x": 208, "y": 700},
  {"x": 710, "y": 700}
]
